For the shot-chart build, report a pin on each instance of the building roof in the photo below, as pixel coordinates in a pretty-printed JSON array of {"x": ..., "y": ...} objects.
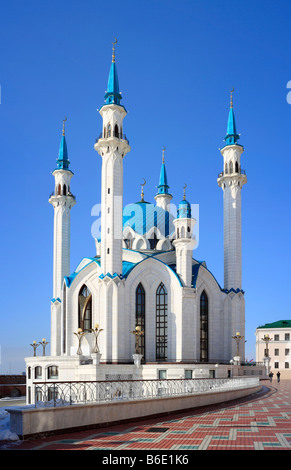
[
  {"x": 142, "y": 216},
  {"x": 277, "y": 324}
]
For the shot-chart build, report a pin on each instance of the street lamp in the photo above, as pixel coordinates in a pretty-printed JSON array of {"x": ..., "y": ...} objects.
[
  {"x": 267, "y": 339},
  {"x": 266, "y": 358},
  {"x": 96, "y": 332},
  {"x": 79, "y": 335},
  {"x": 237, "y": 338},
  {"x": 138, "y": 333},
  {"x": 43, "y": 343},
  {"x": 34, "y": 345}
]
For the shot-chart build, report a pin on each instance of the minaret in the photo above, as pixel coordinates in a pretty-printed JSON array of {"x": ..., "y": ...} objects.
[
  {"x": 163, "y": 197},
  {"x": 231, "y": 180},
  {"x": 62, "y": 201},
  {"x": 184, "y": 242},
  {"x": 112, "y": 146}
]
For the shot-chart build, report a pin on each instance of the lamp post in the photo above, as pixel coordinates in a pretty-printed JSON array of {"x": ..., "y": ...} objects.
[
  {"x": 43, "y": 343},
  {"x": 267, "y": 339},
  {"x": 34, "y": 345},
  {"x": 137, "y": 356},
  {"x": 96, "y": 332},
  {"x": 237, "y": 337},
  {"x": 266, "y": 358},
  {"x": 138, "y": 333},
  {"x": 79, "y": 335}
]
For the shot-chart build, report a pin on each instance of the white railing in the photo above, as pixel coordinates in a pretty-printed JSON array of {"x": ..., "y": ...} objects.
[{"x": 69, "y": 393}]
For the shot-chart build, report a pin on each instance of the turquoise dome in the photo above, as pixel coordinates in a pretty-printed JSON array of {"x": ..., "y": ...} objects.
[{"x": 184, "y": 210}]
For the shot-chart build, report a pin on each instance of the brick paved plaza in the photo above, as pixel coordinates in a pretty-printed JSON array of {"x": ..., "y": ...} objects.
[{"x": 259, "y": 422}]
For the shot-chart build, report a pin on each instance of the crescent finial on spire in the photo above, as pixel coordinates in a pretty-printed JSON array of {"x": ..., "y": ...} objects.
[
  {"x": 231, "y": 102},
  {"x": 64, "y": 120},
  {"x": 164, "y": 154},
  {"x": 142, "y": 192},
  {"x": 113, "y": 50},
  {"x": 184, "y": 190}
]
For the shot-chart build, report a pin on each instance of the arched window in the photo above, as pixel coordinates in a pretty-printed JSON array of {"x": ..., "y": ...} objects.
[
  {"x": 140, "y": 316},
  {"x": 64, "y": 190},
  {"x": 53, "y": 372},
  {"x": 231, "y": 167},
  {"x": 226, "y": 169},
  {"x": 236, "y": 167},
  {"x": 116, "y": 131},
  {"x": 59, "y": 190},
  {"x": 128, "y": 242},
  {"x": 85, "y": 308},
  {"x": 109, "y": 130},
  {"x": 38, "y": 372},
  {"x": 161, "y": 323},
  {"x": 203, "y": 327},
  {"x": 153, "y": 241}
]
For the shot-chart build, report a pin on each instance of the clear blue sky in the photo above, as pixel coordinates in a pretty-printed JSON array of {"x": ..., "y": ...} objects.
[{"x": 177, "y": 62}]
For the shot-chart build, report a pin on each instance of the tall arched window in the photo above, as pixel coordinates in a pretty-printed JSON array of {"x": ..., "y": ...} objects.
[
  {"x": 109, "y": 130},
  {"x": 140, "y": 316},
  {"x": 116, "y": 131},
  {"x": 85, "y": 308},
  {"x": 204, "y": 327},
  {"x": 161, "y": 323},
  {"x": 231, "y": 167}
]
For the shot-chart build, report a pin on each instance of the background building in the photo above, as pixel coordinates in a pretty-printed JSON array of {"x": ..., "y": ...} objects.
[{"x": 279, "y": 346}]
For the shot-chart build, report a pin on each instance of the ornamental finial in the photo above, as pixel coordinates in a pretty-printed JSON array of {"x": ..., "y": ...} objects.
[
  {"x": 231, "y": 102},
  {"x": 113, "y": 50},
  {"x": 64, "y": 120},
  {"x": 164, "y": 154},
  {"x": 142, "y": 193},
  {"x": 184, "y": 189}
]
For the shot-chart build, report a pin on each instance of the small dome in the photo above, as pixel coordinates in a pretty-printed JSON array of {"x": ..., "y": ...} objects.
[
  {"x": 184, "y": 210},
  {"x": 142, "y": 216}
]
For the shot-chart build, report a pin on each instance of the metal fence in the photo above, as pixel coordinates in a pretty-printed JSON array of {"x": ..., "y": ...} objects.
[{"x": 70, "y": 393}]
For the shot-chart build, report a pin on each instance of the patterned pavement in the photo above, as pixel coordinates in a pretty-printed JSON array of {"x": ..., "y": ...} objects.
[{"x": 259, "y": 422}]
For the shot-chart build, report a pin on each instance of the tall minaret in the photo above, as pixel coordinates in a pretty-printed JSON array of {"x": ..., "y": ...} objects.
[
  {"x": 184, "y": 241},
  {"x": 62, "y": 201},
  {"x": 112, "y": 147},
  {"x": 231, "y": 180},
  {"x": 163, "y": 197}
]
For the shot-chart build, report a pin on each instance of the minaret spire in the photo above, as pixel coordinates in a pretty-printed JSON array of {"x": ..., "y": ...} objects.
[
  {"x": 231, "y": 134},
  {"x": 184, "y": 241},
  {"x": 112, "y": 95},
  {"x": 231, "y": 180},
  {"x": 62, "y": 201},
  {"x": 163, "y": 197},
  {"x": 112, "y": 146}
]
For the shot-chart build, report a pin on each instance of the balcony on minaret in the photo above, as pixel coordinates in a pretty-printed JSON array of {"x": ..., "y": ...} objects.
[
  {"x": 107, "y": 134},
  {"x": 228, "y": 172}
]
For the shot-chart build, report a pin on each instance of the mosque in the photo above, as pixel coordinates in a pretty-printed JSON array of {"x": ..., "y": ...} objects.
[{"x": 141, "y": 305}]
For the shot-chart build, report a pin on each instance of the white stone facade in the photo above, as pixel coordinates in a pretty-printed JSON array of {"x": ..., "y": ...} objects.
[{"x": 142, "y": 276}]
